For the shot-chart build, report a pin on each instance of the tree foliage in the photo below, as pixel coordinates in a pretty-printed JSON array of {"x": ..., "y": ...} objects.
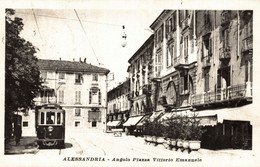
[{"x": 22, "y": 79}]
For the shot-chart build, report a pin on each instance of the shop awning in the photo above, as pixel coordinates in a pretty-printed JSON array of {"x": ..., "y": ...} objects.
[
  {"x": 113, "y": 123},
  {"x": 214, "y": 116},
  {"x": 156, "y": 115},
  {"x": 142, "y": 121},
  {"x": 132, "y": 121},
  {"x": 243, "y": 113}
]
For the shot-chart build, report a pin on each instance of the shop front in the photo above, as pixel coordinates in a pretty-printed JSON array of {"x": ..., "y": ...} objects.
[{"x": 130, "y": 124}]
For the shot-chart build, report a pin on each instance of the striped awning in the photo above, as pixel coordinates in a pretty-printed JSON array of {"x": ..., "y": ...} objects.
[
  {"x": 113, "y": 123},
  {"x": 132, "y": 121}
]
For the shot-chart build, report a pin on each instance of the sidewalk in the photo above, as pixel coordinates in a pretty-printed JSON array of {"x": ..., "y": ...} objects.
[
  {"x": 27, "y": 145},
  {"x": 202, "y": 151}
]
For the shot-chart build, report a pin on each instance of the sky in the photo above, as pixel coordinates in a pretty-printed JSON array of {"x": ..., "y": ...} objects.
[{"x": 59, "y": 34}]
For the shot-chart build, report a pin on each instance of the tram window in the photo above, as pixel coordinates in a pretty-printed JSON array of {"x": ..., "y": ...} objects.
[
  {"x": 50, "y": 117},
  {"x": 42, "y": 117},
  {"x": 58, "y": 118}
]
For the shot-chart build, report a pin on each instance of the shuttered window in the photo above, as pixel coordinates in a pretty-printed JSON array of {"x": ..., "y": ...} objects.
[
  {"x": 99, "y": 98},
  {"x": 61, "y": 96},
  {"x": 77, "y": 97},
  {"x": 206, "y": 80},
  {"x": 77, "y": 112},
  {"x": 90, "y": 97}
]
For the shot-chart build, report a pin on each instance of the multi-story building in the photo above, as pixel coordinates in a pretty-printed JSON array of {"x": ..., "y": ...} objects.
[
  {"x": 140, "y": 73},
  {"x": 80, "y": 88},
  {"x": 118, "y": 105},
  {"x": 203, "y": 65},
  {"x": 174, "y": 58},
  {"x": 224, "y": 75}
]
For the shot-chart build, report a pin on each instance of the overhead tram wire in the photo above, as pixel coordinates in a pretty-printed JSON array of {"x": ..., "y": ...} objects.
[
  {"x": 37, "y": 24},
  {"x": 64, "y": 18},
  {"x": 87, "y": 37}
]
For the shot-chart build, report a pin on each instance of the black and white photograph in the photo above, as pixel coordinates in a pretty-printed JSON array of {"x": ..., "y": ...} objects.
[{"x": 164, "y": 84}]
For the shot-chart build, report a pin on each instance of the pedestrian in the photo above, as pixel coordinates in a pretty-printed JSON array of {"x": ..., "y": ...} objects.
[{"x": 18, "y": 133}]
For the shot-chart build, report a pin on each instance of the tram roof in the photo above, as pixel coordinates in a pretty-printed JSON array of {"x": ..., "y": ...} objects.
[{"x": 69, "y": 66}]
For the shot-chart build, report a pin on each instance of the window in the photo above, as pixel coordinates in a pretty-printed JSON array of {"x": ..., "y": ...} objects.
[
  {"x": 78, "y": 78},
  {"x": 225, "y": 38},
  {"x": 95, "y": 96},
  {"x": 77, "y": 97},
  {"x": 61, "y": 96},
  {"x": 99, "y": 98},
  {"x": 248, "y": 71},
  {"x": 94, "y": 77},
  {"x": 171, "y": 93},
  {"x": 25, "y": 123},
  {"x": 169, "y": 25},
  {"x": 170, "y": 55},
  {"x": 50, "y": 118},
  {"x": 158, "y": 63},
  {"x": 47, "y": 95},
  {"x": 59, "y": 118},
  {"x": 184, "y": 86},
  {"x": 186, "y": 40},
  {"x": 94, "y": 124},
  {"x": 61, "y": 75},
  {"x": 77, "y": 112},
  {"x": 90, "y": 97},
  {"x": 206, "y": 80},
  {"x": 207, "y": 47},
  {"x": 44, "y": 75},
  {"x": 174, "y": 21},
  {"x": 42, "y": 117},
  {"x": 77, "y": 123},
  {"x": 143, "y": 78}
]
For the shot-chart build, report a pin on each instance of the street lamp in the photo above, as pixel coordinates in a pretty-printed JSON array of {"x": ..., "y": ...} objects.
[{"x": 123, "y": 38}]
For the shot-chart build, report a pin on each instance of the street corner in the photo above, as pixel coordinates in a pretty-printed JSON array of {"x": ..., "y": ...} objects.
[{"x": 27, "y": 145}]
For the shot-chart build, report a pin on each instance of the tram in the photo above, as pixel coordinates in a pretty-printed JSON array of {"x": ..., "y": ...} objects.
[{"x": 50, "y": 125}]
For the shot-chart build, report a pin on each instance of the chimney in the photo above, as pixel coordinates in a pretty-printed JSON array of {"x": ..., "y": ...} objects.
[
  {"x": 85, "y": 60},
  {"x": 80, "y": 59},
  {"x": 73, "y": 59},
  {"x": 60, "y": 58}
]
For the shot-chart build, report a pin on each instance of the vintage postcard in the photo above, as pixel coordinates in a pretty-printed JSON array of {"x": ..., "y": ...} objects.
[{"x": 129, "y": 83}]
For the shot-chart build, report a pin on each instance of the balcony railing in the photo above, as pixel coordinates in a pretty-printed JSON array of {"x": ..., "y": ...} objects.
[
  {"x": 224, "y": 53},
  {"x": 222, "y": 94},
  {"x": 247, "y": 43}
]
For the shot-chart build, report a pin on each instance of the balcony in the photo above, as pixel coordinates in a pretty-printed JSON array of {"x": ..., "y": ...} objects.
[
  {"x": 225, "y": 17},
  {"x": 180, "y": 64},
  {"x": 247, "y": 44},
  {"x": 242, "y": 91},
  {"x": 224, "y": 53},
  {"x": 206, "y": 62}
]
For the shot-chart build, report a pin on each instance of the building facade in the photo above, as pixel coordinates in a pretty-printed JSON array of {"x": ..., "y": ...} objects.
[
  {"x": 141, "y": 95},
  {"x": 80, "y": 88},
  {"x": 201, "y": 63},
  {"x": 118, "y": 105}
]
